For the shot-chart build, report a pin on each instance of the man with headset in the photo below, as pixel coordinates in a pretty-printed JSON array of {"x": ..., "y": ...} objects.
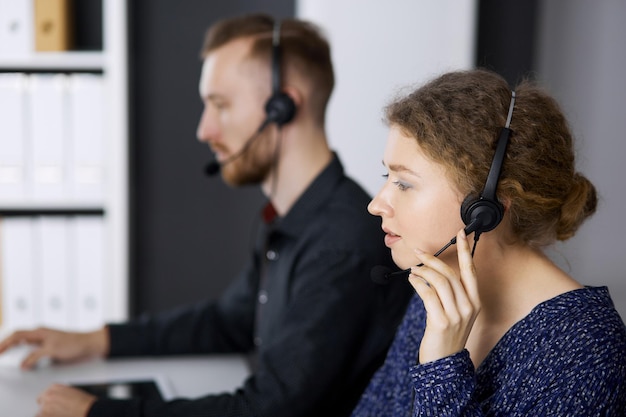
[{"x": 304, "y": 305}]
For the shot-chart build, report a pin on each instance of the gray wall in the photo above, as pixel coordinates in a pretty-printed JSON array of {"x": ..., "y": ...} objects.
[
  {"x": 190, "y": 234},
  {"x": 581, "y": 58}
]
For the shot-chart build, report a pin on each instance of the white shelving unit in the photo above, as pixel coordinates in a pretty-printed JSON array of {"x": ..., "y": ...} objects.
[
  {"x": 79, "y": 61},
  {"x": 116, "y": 72},
  {"x": 111, "y": 63}
]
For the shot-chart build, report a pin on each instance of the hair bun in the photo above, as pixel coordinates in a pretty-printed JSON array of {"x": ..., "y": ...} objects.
[{"x": 577, "y": 207}]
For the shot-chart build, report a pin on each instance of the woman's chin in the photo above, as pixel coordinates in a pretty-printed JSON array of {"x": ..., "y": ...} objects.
[{"x": 401, "y": 261}]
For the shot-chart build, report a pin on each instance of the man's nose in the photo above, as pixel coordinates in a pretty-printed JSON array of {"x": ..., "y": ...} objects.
[{"x": 208, "y": 128}]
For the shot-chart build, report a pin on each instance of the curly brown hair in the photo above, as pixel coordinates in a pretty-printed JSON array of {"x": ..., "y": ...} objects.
[{"x": 456, "y": 119}]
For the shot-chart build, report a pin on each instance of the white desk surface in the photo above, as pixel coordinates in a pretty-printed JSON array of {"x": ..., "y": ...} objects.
[{"x": 186, "y": 376}]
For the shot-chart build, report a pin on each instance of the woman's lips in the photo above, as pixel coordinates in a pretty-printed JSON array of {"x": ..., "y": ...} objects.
[{"x": 391, "y": 238}]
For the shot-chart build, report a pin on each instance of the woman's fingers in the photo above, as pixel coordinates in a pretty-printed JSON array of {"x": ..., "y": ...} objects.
[
  {"x": 445, "y": 282},
  {"x": 450, "y": 299},
  {"x": 467, "y": 269}
]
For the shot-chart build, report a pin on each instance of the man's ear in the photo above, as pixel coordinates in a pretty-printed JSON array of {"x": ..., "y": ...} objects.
[{"x": 295, "y": 94}]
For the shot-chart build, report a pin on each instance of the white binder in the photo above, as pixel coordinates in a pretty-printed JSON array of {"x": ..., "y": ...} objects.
[
  {"x": 53, "y": 274},
  {"x": 16, "y": 28},
  {"x": 88, "y": 261},
  {"x": 12, "y": 136},
  {"x": 18, "y": 277},
  {"x": 86, "y": 104},
  {"x": 48, "y": 117}
]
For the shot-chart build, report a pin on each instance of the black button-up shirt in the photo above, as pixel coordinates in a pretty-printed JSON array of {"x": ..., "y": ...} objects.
[{"x": 304, "y": 304}]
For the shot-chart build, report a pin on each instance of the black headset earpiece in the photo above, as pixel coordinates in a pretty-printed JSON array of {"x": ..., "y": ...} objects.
[
  {"x": 279, "y": 108},
  {"x": 485, "y": 212}
]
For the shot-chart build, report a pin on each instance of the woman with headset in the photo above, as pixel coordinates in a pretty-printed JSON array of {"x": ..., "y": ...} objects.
[{"x": 495, "y": 327}]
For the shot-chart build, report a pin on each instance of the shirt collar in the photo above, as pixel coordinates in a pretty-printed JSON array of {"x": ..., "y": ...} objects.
[{"x": 305, "y": 207}]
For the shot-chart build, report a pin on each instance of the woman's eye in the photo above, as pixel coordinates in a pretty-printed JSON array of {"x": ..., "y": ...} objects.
[{"x": 401, "y": 186}]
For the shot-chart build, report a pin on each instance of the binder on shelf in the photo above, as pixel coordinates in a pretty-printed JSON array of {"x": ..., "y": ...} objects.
[
  {"x": 16, "y": 28},
  {"x": 86, "y": 107},
  {"x": 48, "y": 121},
  {"x": 53, "y": 27},
  {"x": 88, "y": 260},
  {"x": 52, "y": 271},
  {"x": 18, "y": 276},
  {"x": 13, "y": 136}
]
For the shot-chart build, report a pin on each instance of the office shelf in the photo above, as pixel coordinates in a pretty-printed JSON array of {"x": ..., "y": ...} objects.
[{"x": 111, "y": 65}]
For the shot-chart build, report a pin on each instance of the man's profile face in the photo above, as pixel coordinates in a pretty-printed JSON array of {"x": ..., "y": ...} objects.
[{"x": 234, "y": 89}]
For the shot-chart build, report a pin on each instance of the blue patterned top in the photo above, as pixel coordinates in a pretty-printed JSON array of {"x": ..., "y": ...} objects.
[{"x": 566, "y": 358}]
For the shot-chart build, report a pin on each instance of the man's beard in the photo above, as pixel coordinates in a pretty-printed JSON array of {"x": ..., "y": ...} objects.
[{"x": 253, "y": 166}]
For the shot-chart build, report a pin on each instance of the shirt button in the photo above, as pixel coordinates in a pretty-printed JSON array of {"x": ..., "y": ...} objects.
[
  {"x": 271, "y": 255},
  {"x": 258, "y": 341},
  {"x": 262, "y": 297}
]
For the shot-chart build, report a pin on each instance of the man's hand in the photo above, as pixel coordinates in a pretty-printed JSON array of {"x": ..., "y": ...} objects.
[
  {"x": 58, "y": 345},
  {"x": 63, "y": 401}
]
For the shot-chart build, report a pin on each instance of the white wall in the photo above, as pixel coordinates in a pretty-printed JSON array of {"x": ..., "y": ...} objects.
[
  {"x": 377, "y": 48},
  {"x": 582, "y": 61}
]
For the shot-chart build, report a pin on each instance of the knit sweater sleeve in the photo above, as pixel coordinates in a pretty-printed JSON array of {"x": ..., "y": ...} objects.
[
  {"x": 445, "y": 387},
  {"x": 568, "y": 374}
]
